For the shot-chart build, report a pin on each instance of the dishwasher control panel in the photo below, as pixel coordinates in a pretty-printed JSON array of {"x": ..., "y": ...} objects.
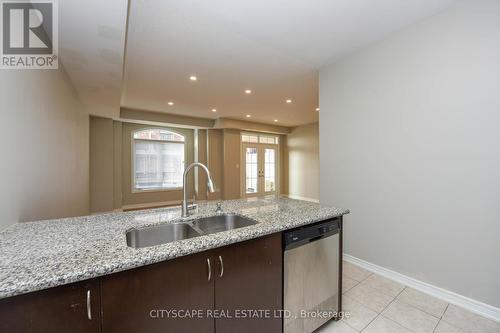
[{"x": 310, "y": 233}]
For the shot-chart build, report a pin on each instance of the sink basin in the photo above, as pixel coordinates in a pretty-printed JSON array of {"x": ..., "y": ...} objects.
[
  {"x": 213, "y": 224},
  {"x": 171, "y": 232},
  {"x": 160, "y": 234}
]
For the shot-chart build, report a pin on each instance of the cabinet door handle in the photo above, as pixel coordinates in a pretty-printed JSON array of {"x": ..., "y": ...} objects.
[
  {"x": 221, "y": 266},
  {"x": 209, "y": 269},
  {"x": 89, "y": 306}
]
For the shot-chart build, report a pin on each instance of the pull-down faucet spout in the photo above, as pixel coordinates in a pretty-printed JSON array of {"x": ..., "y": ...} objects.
[{"x": 210, "y": 184}]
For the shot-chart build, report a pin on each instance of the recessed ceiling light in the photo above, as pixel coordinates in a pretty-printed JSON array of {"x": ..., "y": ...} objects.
[
  {"x": 275, "y": 120},
  {"x": 248, "y": 91},
  {"x": 214, "y": 110},
  {"x": 170, "y": 103},
  {"x": 248, "y": 116},
  {"x": 193, "y": 78},
  {"x": 289, "y": 101},
  {"x": 317, "y": 109}
]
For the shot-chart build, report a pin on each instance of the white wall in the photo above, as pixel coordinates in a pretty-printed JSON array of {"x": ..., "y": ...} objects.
[
  {"x": 303, "y": 162},
  {"x": 45, "y": 140},
  {"x": 410, "y": 142}
]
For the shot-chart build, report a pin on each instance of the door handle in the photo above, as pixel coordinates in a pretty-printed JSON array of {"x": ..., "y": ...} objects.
[
  {"x": 209, "y": 270},
  {"x": 89, "y": 305},
  {"x": 221, "y": 266}
]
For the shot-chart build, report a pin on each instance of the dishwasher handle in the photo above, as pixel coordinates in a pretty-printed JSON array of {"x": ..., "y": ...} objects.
[{"x": 316, "y": 238}]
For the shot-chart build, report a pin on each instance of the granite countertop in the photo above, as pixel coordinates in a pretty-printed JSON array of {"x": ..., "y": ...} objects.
[{"x": 44, "y": 254}]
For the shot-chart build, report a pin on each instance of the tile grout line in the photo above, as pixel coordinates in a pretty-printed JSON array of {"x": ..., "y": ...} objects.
[
  {"x": 434, "y": 330},
  {"x": 354, "y": 327},
  {"x": 396, "y": 298},
  {"x": 430, "y": 314},
  {"x": 364, "y": 328},
  {"x": 449, "y": 323},
  {"x": 398, "y": 324},
  {"x": 380, "y": 314},
  {"x": 357, "y": 284},
  {"x": 410, "y": 305},
  {"x": 350, "y": 277},
  {"x": 441, "y": 318},
  {"x": 414, "y": 307},
  {"x": 447, "y": 306}
]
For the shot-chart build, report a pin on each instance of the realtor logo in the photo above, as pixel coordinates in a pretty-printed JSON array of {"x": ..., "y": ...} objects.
[{"x": 29, "y": 34}]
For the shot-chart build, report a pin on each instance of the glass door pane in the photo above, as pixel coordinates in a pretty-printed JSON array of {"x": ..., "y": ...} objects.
[
  {"x": 251, "y": 170},
  {"x": 269, "y": 170}
]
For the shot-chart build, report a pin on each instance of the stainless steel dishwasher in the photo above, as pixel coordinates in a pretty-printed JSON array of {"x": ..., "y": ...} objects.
[{"x": 312, "y": 275}]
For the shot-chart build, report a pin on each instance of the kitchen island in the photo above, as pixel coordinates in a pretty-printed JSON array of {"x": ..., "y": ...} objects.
[{"x": 35, "y": 256}]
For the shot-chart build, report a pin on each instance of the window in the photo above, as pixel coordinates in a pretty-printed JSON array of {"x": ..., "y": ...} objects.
[
  {"x": 259, "y": 138},
  {"x": 251, "y": 170},
  {"x": 158, "y": 159},
  {"x": 270, "y": 170}
]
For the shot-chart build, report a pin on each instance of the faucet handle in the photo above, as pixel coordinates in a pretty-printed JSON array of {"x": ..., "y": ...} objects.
[{"x": 192, "y": 207}]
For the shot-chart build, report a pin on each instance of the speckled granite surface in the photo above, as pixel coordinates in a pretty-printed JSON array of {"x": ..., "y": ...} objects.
[{"x": 44, "y": 254}]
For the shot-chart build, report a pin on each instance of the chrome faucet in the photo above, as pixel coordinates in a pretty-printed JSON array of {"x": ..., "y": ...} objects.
[{"x": 210, "y": 184}]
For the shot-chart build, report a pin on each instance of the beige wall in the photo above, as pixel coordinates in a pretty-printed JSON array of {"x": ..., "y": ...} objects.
[
  {"x": 101, "y": 164},
  {"x": 111, "y": 165},
  {"x": 117, "y": 164},
  {"x": 283, "y": 143},
  {"x": 215, "y": 161},
  {"x": 303, "y": 162},
  {"x": 201, "y": 189},
  {"x": 410, "y": 142},
  {"x": 231, "y": 164},
  {"x": 45, "y": 151}
]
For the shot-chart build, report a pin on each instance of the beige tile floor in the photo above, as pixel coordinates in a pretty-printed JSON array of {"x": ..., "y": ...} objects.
[{"x": 380, "y": 305}]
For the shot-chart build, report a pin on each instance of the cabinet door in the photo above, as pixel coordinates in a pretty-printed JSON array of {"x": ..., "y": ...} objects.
[
  {"x": 71, "y": 308},
  {"x": 249, "y": 277},
  {"x": 133, "y": 301}
]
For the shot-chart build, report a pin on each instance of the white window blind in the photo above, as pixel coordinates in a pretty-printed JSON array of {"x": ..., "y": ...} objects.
[{"x": 158, "y": 159}]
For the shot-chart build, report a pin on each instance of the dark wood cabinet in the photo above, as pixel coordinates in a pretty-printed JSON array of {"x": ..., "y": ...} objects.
[
  {"x": 70, "y": 308},
  {"x": 248, "y": 286},
  {"x": 220, "y": 290},
  {"x": 231, "y": 280},
  {"x": 138, "y": 300}
]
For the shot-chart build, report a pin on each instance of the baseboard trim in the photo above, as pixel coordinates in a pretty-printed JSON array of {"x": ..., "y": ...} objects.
[
  {"x": 470, "y": 304},
  {"x": 297, "y": 197}
]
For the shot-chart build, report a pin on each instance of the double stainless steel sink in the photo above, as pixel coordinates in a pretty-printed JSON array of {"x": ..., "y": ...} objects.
[{"x": 170, "y": 232}]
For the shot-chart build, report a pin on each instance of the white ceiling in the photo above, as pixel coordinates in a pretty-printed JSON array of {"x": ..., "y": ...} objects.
[
  {"x": 274, "y": 47},
  {"x": 91, "y": 49}
]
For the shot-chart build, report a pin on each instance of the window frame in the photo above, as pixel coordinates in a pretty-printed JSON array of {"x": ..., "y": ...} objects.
[
  {"x": 132, "y": 155},
  {"x": 260, "y": 136}
]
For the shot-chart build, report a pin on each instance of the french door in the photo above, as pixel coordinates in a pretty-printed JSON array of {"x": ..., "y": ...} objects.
[{"x": 260, "y": 169}]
